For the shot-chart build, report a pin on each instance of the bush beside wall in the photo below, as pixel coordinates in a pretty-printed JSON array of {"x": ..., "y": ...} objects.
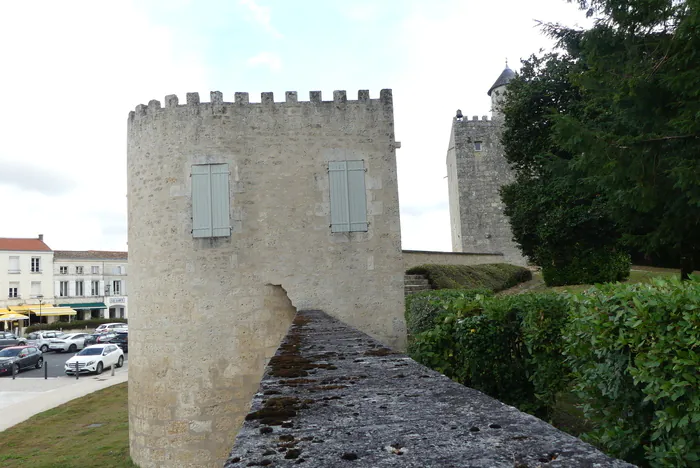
[
  {"x": 635, "y": 354},
  {"x": 631, "y": 352},
  {"x": 496, "y": 276},
  {"x": 74, "y": 325}
]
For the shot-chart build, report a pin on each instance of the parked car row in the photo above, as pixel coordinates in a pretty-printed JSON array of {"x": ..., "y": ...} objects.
[{"x": 10, "y": 339}]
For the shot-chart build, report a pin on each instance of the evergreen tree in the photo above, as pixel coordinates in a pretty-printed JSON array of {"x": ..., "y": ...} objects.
[{"x": 637, "y": 136}]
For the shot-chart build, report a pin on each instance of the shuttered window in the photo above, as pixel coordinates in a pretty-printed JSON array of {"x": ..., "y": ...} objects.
[
  {"x": 210, "y": 201},
  {"x": 348, "y": 196}
]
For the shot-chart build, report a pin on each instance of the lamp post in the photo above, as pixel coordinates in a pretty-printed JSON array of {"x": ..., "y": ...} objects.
[{"x": 40, "y": 297}]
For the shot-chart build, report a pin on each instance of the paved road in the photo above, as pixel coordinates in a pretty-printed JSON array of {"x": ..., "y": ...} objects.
[{"x": 54, "y": 362}]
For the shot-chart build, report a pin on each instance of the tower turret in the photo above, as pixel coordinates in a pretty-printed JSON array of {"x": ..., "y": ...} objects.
[{"x": 498, "y": 89}]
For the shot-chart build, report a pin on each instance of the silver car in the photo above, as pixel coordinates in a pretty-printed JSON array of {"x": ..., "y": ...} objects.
[
  {"x": 70, "y": 343},
  {"x": 42, "y": 339}
]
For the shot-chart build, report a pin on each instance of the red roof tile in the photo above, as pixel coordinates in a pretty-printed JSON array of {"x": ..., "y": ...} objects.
[{"x": 33, "y": 245}]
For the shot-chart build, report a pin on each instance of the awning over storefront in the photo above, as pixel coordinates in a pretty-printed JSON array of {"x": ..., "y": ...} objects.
[
  {"x": 25, "y": 307},
  {"x": 53, "y": 311},
  {"x": 5, "y": 311},
  {"x": 11, "y": 317},
  {"x": 85, "y": 305}
]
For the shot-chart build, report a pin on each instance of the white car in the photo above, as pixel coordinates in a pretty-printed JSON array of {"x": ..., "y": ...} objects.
[
  {"x": 111, "y": 327},
  {"x": 95, "y": 358},
  {"x": 70, "y": 343},
  {"x": 41, "y": 339}
]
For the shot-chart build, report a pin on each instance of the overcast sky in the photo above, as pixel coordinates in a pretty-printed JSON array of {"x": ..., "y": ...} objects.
[{"x": 72, "y": 70}]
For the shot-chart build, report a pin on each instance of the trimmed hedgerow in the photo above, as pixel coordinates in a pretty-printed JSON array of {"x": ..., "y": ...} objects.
[
  {"x": 635, "y": 353},
  {"x": 509, "y": 347},
  {"x": 74, "y": 325},
  {"x": 587, "y": 267},
  {"x": 423, "y": 308},
  {"x": 496, "y": 277}
]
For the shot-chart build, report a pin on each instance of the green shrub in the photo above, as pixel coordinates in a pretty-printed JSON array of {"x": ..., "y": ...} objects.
[
  {"x": 496, "y": 277},
  {"x": 635, "y": 353},
  {"x": 586, "y": 267},
  {"x": 509, "y": 347},
  {"x": 423, "y": 308},
  {"x": 74, "y": 325}
]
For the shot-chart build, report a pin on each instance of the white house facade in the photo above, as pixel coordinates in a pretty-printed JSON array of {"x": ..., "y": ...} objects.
[
  {"x": 92, "y": 282},
  {"x": 26, "y": 275}
]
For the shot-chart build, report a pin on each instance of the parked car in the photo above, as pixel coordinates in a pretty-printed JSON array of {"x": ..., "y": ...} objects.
[
  {"x": 10, "y": 339},
  {"x": 41, "y": 339},
  {"x": 111, "y": 327},
  {"x": 70, "y": 343},
  {"x": 91, "y": 339},
  {"x": 95, "y": 358},
  {"x": 122, "y": 340},
  {"x": 20, "y": 357}
]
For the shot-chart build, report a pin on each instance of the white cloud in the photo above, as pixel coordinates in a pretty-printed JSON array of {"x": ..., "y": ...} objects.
[
  {"x": 261, "y": 15},
  {"x": 268, "y": 59}
]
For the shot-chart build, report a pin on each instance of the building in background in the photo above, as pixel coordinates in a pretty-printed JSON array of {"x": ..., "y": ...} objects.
[
  {"x": 26, "y": 276},
  {"x": 476, "y": 170},
  {"x": 92, "y": 282}
]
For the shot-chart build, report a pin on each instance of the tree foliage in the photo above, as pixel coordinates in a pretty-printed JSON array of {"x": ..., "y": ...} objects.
[
  {"x": 560, "y": 221},
  {"x": 636, "y": 136}
]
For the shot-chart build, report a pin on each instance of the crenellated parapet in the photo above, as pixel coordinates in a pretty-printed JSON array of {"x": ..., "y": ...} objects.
[
  {"x": 475, "y": 118},
  {"x": 242, "y": 100}
]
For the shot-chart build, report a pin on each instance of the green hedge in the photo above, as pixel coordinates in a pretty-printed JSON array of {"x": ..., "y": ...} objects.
[
  {"x": 635, "y": 353},
  {"x": 74, "y": 325},
  {"x": 587, "y": 267},
  {"x": 509, "y": 347},
  {"x": 423, "y": 308},
  {"x": 630, "y": 351},
  {"x": 496, "y": 277}
]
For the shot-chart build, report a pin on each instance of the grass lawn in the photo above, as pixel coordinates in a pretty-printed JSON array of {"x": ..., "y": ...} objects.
[
  {"x": 61, "y": 438},
  {"x": 637, "y": 275}
]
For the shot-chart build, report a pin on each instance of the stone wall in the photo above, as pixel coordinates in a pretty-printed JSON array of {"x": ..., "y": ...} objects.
[
  {"x": 356, "y": 403},
  {"x": 474, "y": 180},
  {"x": 207, "y": 313},
  {"x": 413, "y": 258}
]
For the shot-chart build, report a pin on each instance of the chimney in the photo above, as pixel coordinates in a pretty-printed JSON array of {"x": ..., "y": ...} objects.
[{"x": 41, "y": 237}]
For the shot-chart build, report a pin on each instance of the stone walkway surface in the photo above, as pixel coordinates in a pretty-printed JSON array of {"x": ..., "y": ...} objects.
[
  {"x": 333, "y": 396},
  {"x": 20, "y": 399}
]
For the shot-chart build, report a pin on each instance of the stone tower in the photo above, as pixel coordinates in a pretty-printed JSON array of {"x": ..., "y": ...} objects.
[
  {"x": 239, "y": 214},
  {"x": 476, "y": 169}
]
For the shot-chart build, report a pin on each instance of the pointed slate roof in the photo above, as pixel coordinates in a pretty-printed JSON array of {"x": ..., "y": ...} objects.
[{"x": 502, "y": 80}]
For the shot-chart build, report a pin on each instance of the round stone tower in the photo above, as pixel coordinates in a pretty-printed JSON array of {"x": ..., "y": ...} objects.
[
  {"x": 239, "y": 213},
  {"x": 497, "y": 92}
]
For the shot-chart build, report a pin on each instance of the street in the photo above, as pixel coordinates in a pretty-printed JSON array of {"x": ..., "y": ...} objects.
[{"x": 54, "y": 362}]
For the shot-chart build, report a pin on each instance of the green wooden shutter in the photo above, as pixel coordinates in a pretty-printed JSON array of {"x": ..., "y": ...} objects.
[
  {"x": 220, "y": 201},
  {"x": 201, "y": 201},
  {"x": 210, "y": 201},
  {"x": 357, "y": 196},
  {"x": 348, "y": 196},
  {"x": 340, "y": 209}
]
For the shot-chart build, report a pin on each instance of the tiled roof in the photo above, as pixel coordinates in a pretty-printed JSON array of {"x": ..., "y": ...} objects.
[
  {"x": 33, "y": 245},
  {"x": 90, "y": 254}
]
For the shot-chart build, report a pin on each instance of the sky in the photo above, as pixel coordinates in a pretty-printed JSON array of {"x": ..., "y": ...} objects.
[{"x": 72, "y": 71}]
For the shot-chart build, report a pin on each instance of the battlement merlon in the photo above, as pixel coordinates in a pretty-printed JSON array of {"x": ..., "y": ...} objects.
[{"x": 340, "y": 100}]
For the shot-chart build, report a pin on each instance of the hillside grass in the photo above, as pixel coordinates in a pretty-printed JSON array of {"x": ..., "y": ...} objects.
[{"x": 61, "y": 438}]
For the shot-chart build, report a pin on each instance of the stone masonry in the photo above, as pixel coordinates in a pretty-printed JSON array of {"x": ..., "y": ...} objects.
[
  {"x": 333, "y": 396},
  {"x": 476, "y": 169},
  {"x": 208, "y": 313}
]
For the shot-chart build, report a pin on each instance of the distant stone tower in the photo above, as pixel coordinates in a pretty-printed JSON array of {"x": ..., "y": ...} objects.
[
  {"x": 239, "y": 214},
  {"x": 476, "y": 169}
]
